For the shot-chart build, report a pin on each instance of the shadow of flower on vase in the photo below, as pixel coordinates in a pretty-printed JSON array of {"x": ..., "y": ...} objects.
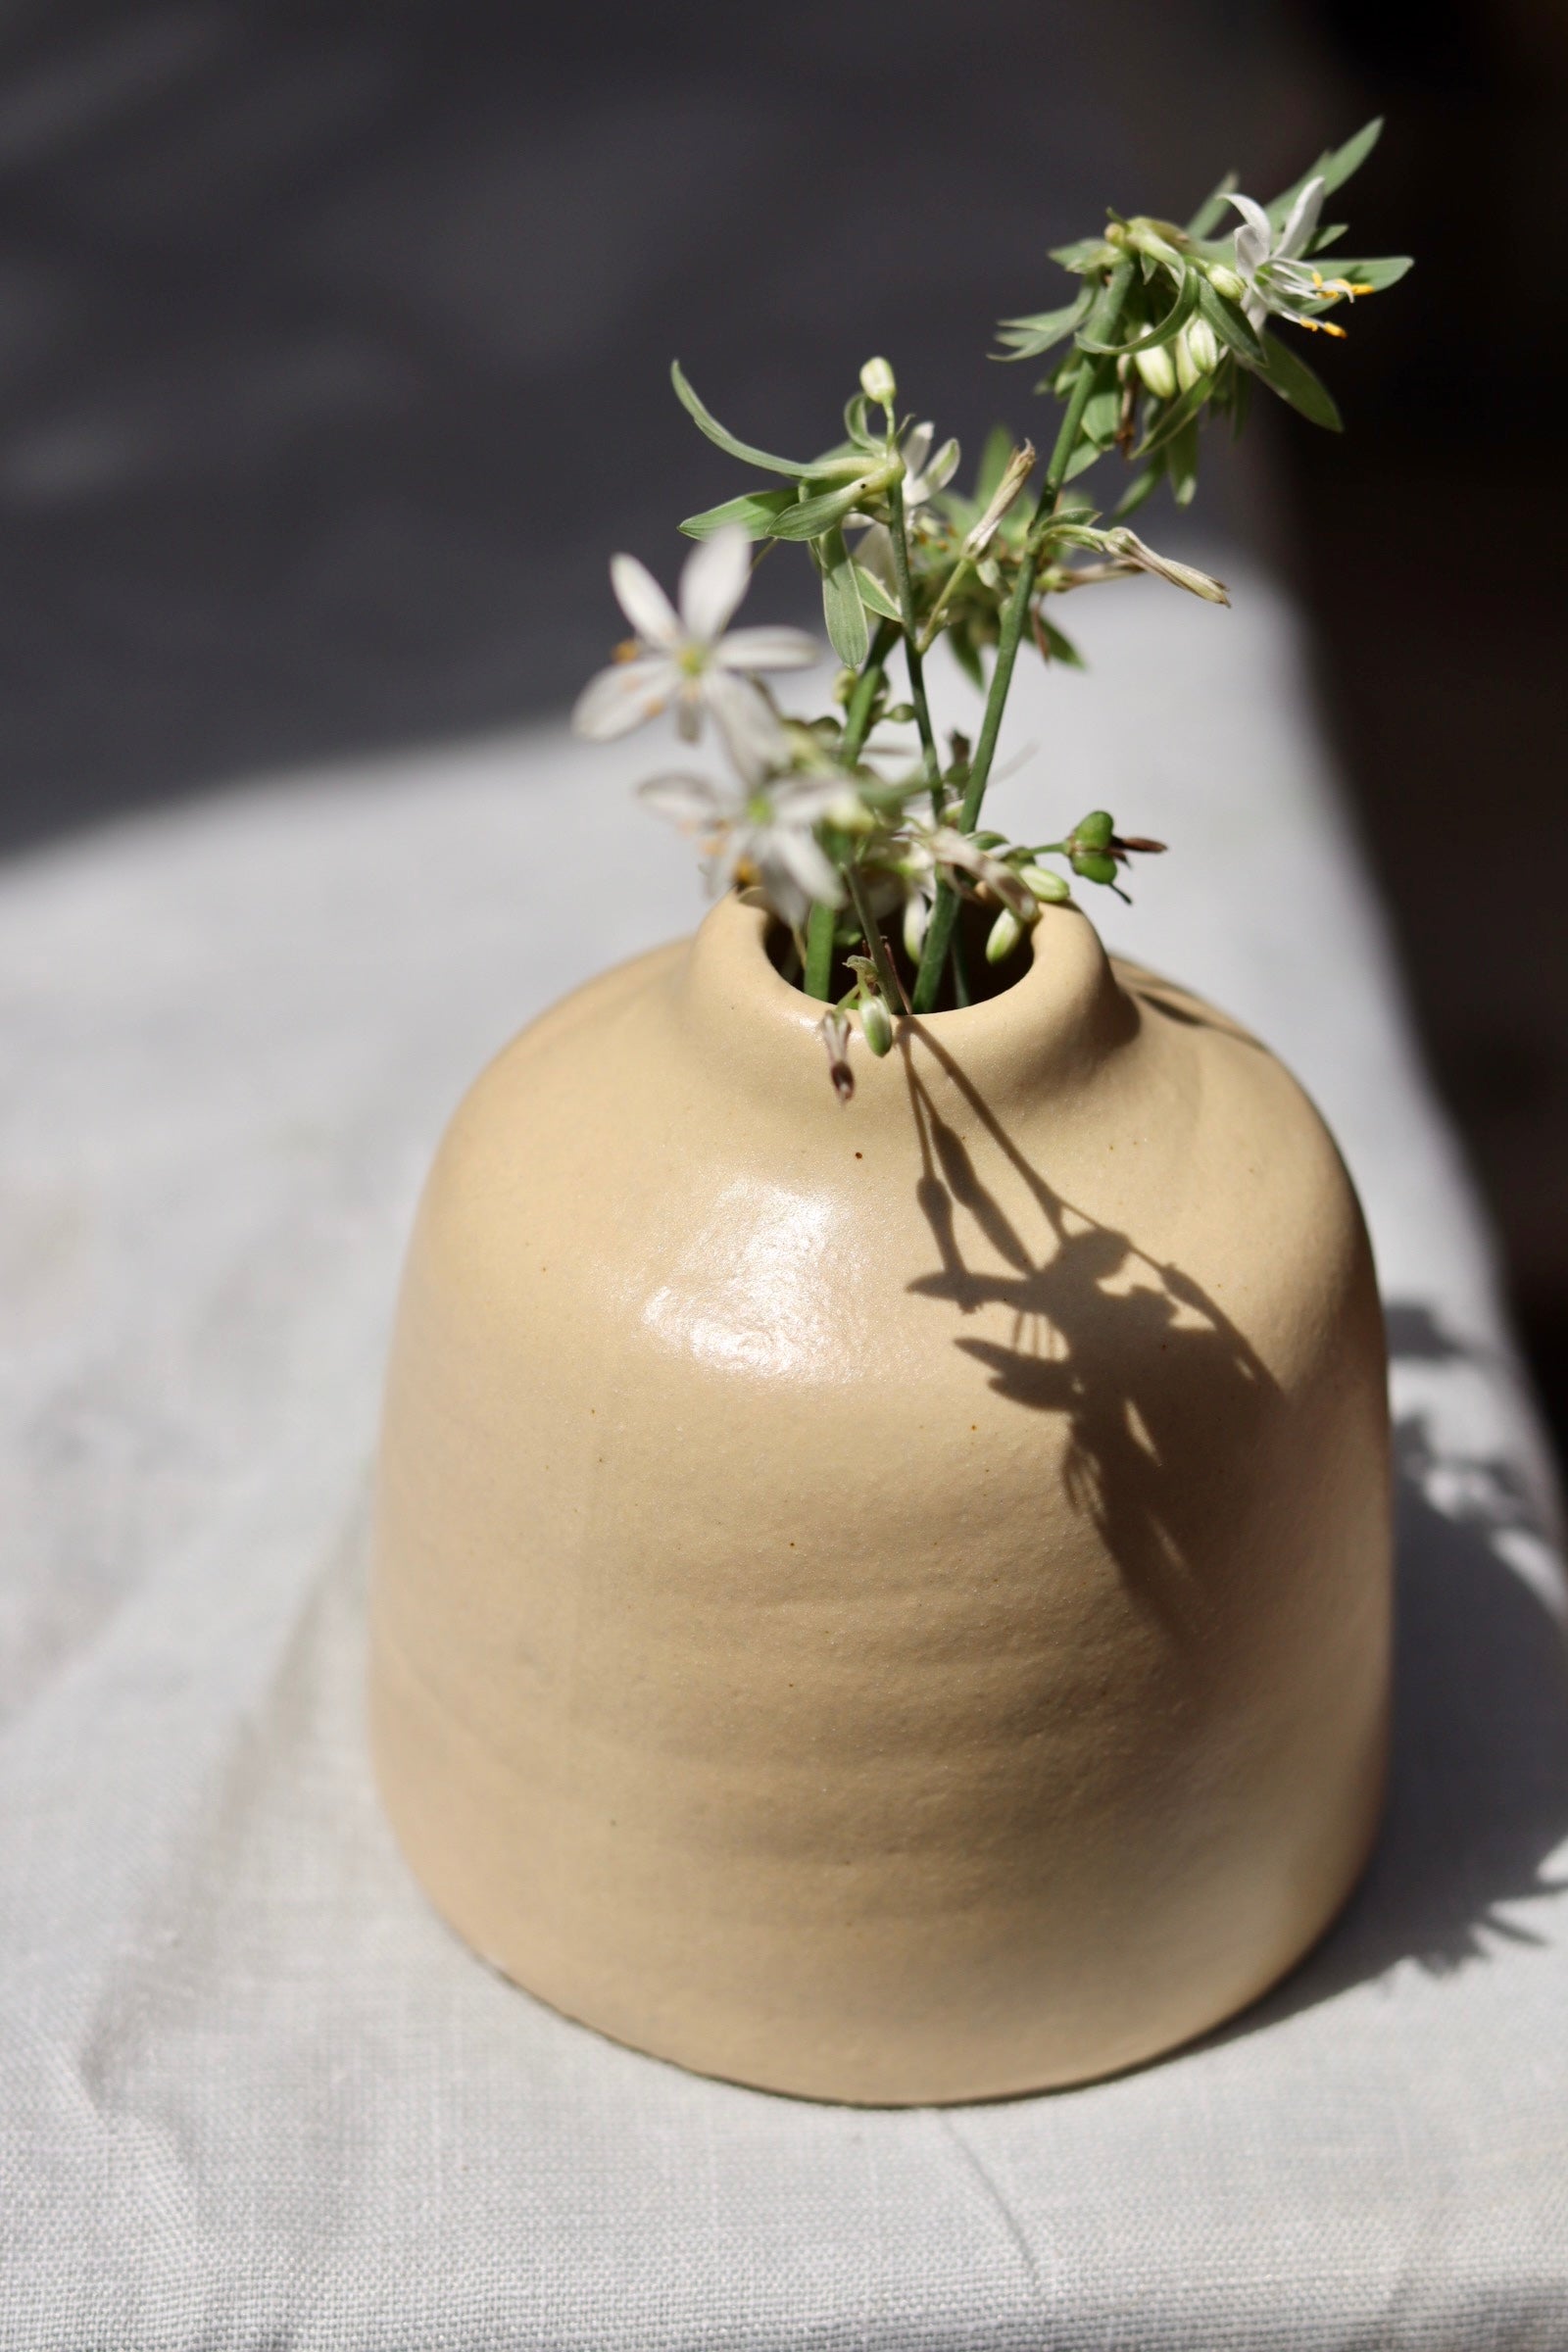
[
  {"x": 1478, "y": 1794},
  {"x": 1134, "y": 1354}
]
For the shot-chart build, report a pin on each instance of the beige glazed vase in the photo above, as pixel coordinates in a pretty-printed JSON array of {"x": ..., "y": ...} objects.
[{"x": 885, "y": 1602}]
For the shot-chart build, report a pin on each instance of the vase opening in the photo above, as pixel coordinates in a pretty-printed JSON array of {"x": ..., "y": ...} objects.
[{"x": 983, "y": 980}]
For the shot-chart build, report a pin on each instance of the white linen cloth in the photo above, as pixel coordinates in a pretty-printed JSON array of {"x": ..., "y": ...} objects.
[{"x": 252, "y": 2094}]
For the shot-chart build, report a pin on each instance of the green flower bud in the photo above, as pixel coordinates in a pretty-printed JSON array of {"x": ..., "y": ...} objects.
[
  {"x": 1006, "y": 933},
  {"x": 1197, "y": 353},
  {"x": 1158, "y": 372},
  {"x": 877, "y": 382},
  {"x": 876, "y": 1027},
  {"x": 1094, "y": 866},
  {"x": 1227, "y": 283},
  {"x": 1048, "y": 887}
]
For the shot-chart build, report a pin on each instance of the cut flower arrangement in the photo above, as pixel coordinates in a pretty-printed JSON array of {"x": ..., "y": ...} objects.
[
  {"x": 858, "y": 848},
  {"x": 897, "y": 1607}
]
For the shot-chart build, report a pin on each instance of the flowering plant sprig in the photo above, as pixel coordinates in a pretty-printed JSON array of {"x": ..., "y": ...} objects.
[{"x": 855, "y": 840}]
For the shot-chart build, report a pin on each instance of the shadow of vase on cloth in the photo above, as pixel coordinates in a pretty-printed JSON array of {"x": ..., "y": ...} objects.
[{"x": 885, "y": 1602}]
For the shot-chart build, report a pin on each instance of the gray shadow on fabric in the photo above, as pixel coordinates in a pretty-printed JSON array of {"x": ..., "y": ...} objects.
[{"x": 1478, "y": 1793}]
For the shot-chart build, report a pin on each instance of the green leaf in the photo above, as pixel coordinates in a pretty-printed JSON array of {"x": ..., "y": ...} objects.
[
  {"x": 875, "y": 597},
  {"x": 1328, "y": 236},
  {"x": 1083, "y": 457},
  {"x": 1143, "y": 485},
  {"x": 1027, "y": 338},
  {"x": 755, "y": 512},
  {"x": 1211, "y": 212},
  {"x": 1229, "y": 321},
  {"x": 1293, "y": 382},
  {"x": 1385, "y": 271},
  {"x": 1334, "y": 167},
  {"x": 1165, "y": 330},
  {"x": 841, "y": 610},
  {"x": 1175, "y": 418},
  {"x": 723, "y": 439},
  {"x": 1081, "y": 253},
  {"x": 1181, "y": 463},
  {"x": 809, "y": 517},
  {"x": 1063, "y": 649},
  {"x": 1101, "y": 416}
]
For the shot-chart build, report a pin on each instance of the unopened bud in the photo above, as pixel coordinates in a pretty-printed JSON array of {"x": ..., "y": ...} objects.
[
  {"x": 1019, "y": 467},
  {"x": 1006, "y": 933},
  {"x": 876, "y": 1025},
  {"x": 1049, "y": 888},
  {"x": 1158, "y": 372},
  {"x": 1228, "y": 282},
  {"x": 1197, "y": 353},
  {"x": 877, "y": 382},
  {"x": 916, "y": 914}
]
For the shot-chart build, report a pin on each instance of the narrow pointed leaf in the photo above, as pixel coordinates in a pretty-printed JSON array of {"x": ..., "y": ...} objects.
[
  {"x": 809, "y": 517},
  {"x": 874, "y": 597},
  {"x": 1164, "y": 330},
  {"x": 1063, "y": 649},
  {"x": 1229, "y": 321},
  {"x": 994, "y": 458},
  {"x": 841, "y": 610},
  {"x": 1385, "y": 271},
  {"x": 1142, "y": 486},
  {"x": 1334, "y": 167},
  {"x": 1211, "y": 212},
  {"x": 755, "y": 512},
  {"x": 1293, "y": 382},
  {"x": 723, "y": 439},
  {"x": 1027, "y": 338},
  {"x": 1175, "y": 420}
]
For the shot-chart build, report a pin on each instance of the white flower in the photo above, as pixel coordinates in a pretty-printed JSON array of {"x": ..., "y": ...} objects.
[
  {"x": 765, "y": 834},
  {"x": 923, "y": 475},
  {"x": 692, "y": 659},
  {"x": 1276, "y": 276}
]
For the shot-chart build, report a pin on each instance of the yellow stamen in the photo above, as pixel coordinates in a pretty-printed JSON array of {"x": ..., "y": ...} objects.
[
  {"x": 1329, "y": 328},
  {"x": 627, "y": 651}
]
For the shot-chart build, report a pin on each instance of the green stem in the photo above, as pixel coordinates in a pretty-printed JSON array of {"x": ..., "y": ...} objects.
[
  {"x": 818, "y": 976},
  {"x": 887, "y": 978},
  {"x": 912, "y": 645},
  {"x": 945, "y": 910}
]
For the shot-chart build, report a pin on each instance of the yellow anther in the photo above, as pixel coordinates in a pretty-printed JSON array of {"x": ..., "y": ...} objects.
[
  {"x": 627, "y": 651},
  {"x": 1329, "y": 328}
]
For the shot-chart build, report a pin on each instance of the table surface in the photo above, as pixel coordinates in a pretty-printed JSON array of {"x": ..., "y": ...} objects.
[{"x": 252, "y": 2094}]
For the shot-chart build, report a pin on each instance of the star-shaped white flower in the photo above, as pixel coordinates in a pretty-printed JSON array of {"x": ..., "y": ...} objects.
[
  {"x": 1277, "y": 275},
  {"x": 764, "y": 834},
  {"x": 692, "y": 661}
]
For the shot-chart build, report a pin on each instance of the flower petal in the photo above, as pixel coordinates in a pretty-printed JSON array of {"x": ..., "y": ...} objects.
[
  {"x": 687, "y": 800},
  {"x": 748, "y": 722},
  {"x": 714, "y": 581},
  {"x": 644, "y": 603},
  {"x": 622, "y": 697},
  {"x": 917, "y": 446},
  {"x": 809, "y": 862},
  {"x": 1301, "y": 221},
  {"x": 767, "y": 649},
  {"x": 1253, "y": 214},
  {"x": 942, "y": 469}
]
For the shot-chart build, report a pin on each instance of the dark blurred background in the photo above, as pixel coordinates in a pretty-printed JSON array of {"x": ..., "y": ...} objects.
[{"x": 332, "y": 352}]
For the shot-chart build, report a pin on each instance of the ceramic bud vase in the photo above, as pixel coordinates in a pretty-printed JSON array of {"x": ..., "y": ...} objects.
[{"x": 885, "y": 1602}]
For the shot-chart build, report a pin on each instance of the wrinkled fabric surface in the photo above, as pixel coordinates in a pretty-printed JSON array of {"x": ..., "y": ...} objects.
[{"x": 252, "y": 2094}]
